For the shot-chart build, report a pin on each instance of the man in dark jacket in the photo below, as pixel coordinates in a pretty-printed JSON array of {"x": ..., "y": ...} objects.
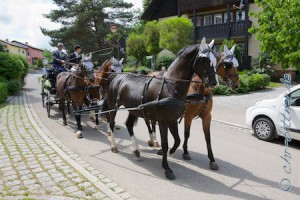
[
  {"x": 59, "y": 58},
  {"x": 75, "y": 57}
]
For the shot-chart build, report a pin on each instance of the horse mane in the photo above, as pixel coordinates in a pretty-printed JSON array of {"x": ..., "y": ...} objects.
[{"x": 187, "y": 50}]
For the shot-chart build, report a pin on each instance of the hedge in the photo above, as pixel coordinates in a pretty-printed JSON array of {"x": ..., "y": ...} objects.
[
  {"x": 13, "y": 86},
  {"x": 11, "y": 67},
  {"x": 3, "y": 92},
  {"x": 247, "y": 84}
]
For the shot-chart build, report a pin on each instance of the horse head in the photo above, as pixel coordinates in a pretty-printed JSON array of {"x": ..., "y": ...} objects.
[
  {"x": 116, "y": 65},
  {"x": 205, "y": 63},
  {"x": 227, "y": 68},
  {"x": 87, "y": 67}
]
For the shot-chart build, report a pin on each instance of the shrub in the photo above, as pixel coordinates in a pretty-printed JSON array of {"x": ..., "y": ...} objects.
[
  {"x": 11, "y": 67},
  {"x": 13, "y": 86},
  {"x": 258, "y": 81},
  {"x": 3, "y": 92},
  {"x": 164, "y": 61},
  {"x": 222, "y": 90},
  {"x": 244, "y": 84},
  {"x": 3, "y": 80}
]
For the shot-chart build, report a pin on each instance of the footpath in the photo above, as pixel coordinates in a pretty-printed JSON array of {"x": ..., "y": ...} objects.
[{"x": 36, "y": 165}]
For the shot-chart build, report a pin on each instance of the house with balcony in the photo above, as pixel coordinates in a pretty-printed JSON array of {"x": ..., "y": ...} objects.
[
  {"x": 213, "y": 19},
  {"x": 10, "y": 47},
  {"x": 33, "y": 53}
]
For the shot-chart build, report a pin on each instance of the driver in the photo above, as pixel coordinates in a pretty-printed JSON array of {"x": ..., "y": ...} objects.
[{"x": 59, "y": 58}]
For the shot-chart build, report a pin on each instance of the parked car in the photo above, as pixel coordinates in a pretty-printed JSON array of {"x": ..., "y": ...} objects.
[{"x": 266, "y": 117}]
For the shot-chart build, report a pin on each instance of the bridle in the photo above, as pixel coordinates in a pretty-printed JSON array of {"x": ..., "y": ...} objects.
[{"x": 229, "y": 79}]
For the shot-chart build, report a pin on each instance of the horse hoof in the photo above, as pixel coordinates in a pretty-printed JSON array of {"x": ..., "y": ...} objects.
[
  {"x": 108, "y": 133},
  {"x": 170, "y": 154},
  {"x": 79, "y": 134},
  {"x": 150, "y": 143},
  {"x": 96, "y": 127},
  {"x": 213, "y": 165},
  {"x": 65, "y": 124},
  {"x": 170, "y": 175},
  {"x": 186, "y": 156},
  {"x": 136, "y": 153},
  {"x": 114, "y": 150},
  {"x": 156, "y": 144},
  {"x": 160, "y": 152}
]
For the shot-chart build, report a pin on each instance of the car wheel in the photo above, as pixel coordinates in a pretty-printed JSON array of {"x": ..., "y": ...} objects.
[{"x": 264, "y": 129}]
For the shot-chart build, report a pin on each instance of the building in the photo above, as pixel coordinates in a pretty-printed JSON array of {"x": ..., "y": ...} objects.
[
  {"x": 213, "y": 19},
  {"x": 33, "y": 53},
  {"x": 10, "y": 47}
]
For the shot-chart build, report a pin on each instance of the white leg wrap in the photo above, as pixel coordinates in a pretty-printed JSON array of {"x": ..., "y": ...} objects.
[{"x": 134, "y": 143}]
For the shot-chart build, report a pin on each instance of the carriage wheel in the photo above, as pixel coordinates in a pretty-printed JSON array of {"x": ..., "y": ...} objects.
[
  {"x": 43, "y": 94},
  {"x": 48, "y": 104}
]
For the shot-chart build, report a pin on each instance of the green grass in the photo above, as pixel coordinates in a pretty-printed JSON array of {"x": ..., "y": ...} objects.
[{"x": 274, "y": 85}]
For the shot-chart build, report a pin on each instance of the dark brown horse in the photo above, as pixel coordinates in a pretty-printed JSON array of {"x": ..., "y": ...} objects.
[
  {"x": 71, "y": 87},
  {"x": 161, "y": 100},
  {"x": 201, "y": 102}
]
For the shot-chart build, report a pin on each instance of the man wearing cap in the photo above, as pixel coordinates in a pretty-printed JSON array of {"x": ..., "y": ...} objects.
[
  {"x": 59, "y": 58},
  {"x": 74, "y": 58}
]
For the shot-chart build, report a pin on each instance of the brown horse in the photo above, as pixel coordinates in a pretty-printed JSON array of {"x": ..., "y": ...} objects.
[
  {"x": 71, "y": 87},
  {"x": 161, "y": 100},
  {"x": 97, "y": 89}
]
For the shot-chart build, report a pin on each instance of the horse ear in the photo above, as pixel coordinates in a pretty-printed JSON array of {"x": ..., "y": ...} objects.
[
  {"x": 90, "y": 56},
  {"x": 121, "y": 61},
  {"x": 203, "y": 44},
  {"x": 232, "y": 49},
  {"x": 226, "y": 51},
  {"x": 211, "y": 44}
]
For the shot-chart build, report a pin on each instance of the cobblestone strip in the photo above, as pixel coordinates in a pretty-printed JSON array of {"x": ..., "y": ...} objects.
[
  {"x": 30, "y": 167},
  {"x": 100, "y": 180}
]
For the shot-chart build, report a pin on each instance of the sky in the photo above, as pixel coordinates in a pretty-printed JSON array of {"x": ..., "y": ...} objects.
[{"x": 21, "y": 20}]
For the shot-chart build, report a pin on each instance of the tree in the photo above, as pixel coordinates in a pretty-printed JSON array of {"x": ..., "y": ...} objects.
[
  {"x": 86, "y": 22},
  {"x": 175, "y": 33},
  {"x": 47, "y": 54},
  {"x": 136, "y": 47},
  {"x": 278, "y": 30},
  {"x": 151, "y": 33}
]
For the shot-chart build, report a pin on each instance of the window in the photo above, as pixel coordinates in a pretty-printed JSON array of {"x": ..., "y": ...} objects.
[
  {"x": 19, "y": 51},
  {"x": 22, "y": 51},
  {"x": 295, "y": 98},
  {"x": 240, "y": 15},
  {"x": 198, "y": 21},
  {"x": 225, "y": 17},
  {"x": 207, "y": 20},
  {"x": 28, "y": 55},
  {"x": 218, "y": 18}
]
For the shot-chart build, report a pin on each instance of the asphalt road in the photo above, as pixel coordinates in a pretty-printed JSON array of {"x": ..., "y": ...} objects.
[{"x": 248, "y": 168}]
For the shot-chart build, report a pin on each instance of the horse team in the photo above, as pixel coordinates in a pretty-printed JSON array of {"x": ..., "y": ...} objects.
[{"x": 184, "y": 91}]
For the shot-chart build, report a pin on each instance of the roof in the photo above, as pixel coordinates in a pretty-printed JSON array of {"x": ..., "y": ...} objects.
[
  {"x": 160, "y": 8},
  {"x": 13, "y": 44},
  {"x": 26, "y": 45}
]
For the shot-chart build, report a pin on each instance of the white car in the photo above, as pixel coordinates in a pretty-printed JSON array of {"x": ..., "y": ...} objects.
[{"x": 266, "y": 117}]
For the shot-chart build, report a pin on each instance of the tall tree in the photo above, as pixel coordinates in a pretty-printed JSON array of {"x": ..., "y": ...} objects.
[
  {"x": 175, "y": 33},
  {"x": 278, "y": 30},
  {"x": 151, "y": 34},
  {"x": 86, "y": 22},
  {"x": 136, "y": 47}
]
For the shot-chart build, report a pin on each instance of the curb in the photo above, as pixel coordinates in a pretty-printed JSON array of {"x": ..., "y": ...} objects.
[
  {"x": 9, "y": 99},
  {"x": 231, "y": 124},
  {"x": 93, "y": 179}
]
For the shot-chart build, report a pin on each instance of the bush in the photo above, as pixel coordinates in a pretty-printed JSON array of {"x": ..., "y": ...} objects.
[
  {"x": 3, "y": 92},
  {"x": 258, "y": 81},
  {"x": 13, "y": 86},
  {"x": 164, "y": 61},
  {"x": 244, "y": 84},
  {"x": 222, "y": 90},
  {"x": 3, "y": 80},
  {"x": 11, "y": 67}
]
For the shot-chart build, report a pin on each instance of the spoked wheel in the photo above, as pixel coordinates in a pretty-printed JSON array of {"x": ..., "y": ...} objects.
[
  {"x": 48, "y": 104},
  {"x": 264, "y": 129},
  {"x": 43, "y": 98}
]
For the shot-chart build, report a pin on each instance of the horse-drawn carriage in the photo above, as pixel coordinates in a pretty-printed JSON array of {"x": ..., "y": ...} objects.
[
  {"x": 146, "y": 97},
  {"x": 49, "y": 96}
]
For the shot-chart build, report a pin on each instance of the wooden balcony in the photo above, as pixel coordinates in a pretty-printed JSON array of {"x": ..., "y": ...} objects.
[{"x": 222, "y": 30}]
